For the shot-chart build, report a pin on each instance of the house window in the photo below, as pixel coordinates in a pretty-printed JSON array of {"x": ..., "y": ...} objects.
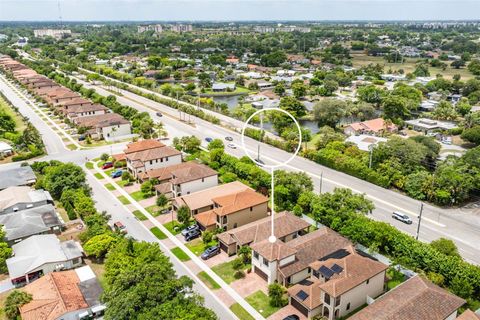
[
  {"x": 203, "y": 179},
  {"x": 166, "y": 159},
  {"x": 265, "y": 262},
  {"x": 326, "y": 298},
  {"x": 348, "y": 306},
  {"x": 255, "y": 255},
  {"x": 235, "y": 225},
  {"x": 76, "y": 260},
  {"x": 251, "y": 209},
  {"x": 368, "y": 280},
  {"x": 161, "y": 160},
  {"x": 151, "y": 161}
]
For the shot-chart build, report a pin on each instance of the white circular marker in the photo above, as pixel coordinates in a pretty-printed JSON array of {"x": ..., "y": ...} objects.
[
  {"x": 299, "y": 138},
  {"x": 272, "y": 239}
]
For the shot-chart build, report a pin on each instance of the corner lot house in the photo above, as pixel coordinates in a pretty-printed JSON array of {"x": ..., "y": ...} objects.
[
  {"x": 40, "y": 255},
  {"x": 21, "y": 176},
  {"x": 288, "y": 263},
  {"x": 150, "y": 154},
  {"x": 62, "y": 295},
  {"x": 201, "y": 201},
  {"x": 104, "y": 126},
  {"x": 415, "y": 299},
  {"x": 183, "y": 178},
  {"x": 234, "y": 210},
  {"x": 374, "y": 126},
  {"x": 286, "y": 227},
  {"x": 339, "y": 283}
]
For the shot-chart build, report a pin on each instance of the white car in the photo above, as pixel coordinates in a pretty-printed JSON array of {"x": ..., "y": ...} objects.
[{"x": 232, "y": 146}]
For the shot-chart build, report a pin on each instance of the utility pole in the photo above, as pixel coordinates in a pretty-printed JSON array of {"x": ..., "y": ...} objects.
[
  {"x": 258, "y": 152},
  {"x": 370, "y": 147},
  {"x": 419, "y": 220}
]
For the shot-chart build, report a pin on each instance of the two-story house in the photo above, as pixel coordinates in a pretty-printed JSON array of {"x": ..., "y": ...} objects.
[
  {"x": 415, "y": 299},
  {"x": 339, "y": 283},
  {"x": 286, "y": 227},
  {"x": 183, "y": 178},
  {"x": 234, "y": 210},
  {"x": 288, "y": 263},
  {"x": 104, "y": 126},
  {"x": 149, "y": 154},
  {"x": 86, "y": 110}
]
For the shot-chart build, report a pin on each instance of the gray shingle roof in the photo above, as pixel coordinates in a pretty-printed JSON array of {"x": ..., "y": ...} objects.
[{"x": 17, "y": 177}]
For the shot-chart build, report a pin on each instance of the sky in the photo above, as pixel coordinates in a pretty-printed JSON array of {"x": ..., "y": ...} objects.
[{"x": 237, "y": 10}]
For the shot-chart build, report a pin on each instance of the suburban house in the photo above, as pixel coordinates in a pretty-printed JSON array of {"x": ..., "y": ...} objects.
[
  {"x": 145, "y": 155},
  {"x": 21, "y": 176},
  {"x": 375, "y": 126},
  {"x": 429, "y": 125},
  {"x": 201, "y": 201},
  {"x": 56, "y": 94},
  {"x": 222, "y": 87},
  {"x": 415, "y": 299},
  {"x": 289, "y": 262},
  {"x": 18, "y": 198},
  {"x": 183, "y": 178},
  {"x": 41, "y": 254},
  {"x": 233, "y": 210},
  {"x": 104, "y": 126},
  {"x": 339, "y": 283},
  {"x": 364, "y": 142},
  {"x": 85, "y": 110},
  {"x": 286, "y": 227},
  {"x": 63, "y": 295}
]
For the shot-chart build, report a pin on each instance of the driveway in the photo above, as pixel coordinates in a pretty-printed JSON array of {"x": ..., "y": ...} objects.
[
  {"x": 219, "y": 259},
  {"x": 250, "y": 284},
  {"x": 286, "y": 311}
]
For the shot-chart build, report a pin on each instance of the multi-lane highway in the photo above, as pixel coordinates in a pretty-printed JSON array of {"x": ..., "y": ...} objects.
[{"x": 460, "y": 225}]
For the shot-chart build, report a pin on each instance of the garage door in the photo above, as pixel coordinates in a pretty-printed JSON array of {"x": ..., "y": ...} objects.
[
  {"x": 262, "y": 274},
  {"x": 299, "y": 307},
  {"x": 224, "y": 247}
]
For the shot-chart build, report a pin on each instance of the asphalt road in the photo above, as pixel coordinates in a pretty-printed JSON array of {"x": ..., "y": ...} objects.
[
  {"x": 104, "y": 200},
  {"x": 460, "y": 225}
]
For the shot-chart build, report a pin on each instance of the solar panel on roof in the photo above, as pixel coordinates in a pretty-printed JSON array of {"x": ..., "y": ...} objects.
[
  {"x": 306, "y": 282},
  {"x": 326, "y": 272},
  {"x": 366, "y": 255},
  {"x": 302, "y": 295},
  {"x": 339, "y": 254},
  {"x": 336, "y": 268}
]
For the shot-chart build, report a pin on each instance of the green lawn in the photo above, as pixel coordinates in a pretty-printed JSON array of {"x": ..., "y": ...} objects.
[
  {"x": 89, "y": 165},
  {"x": 198, "y": 247},
  {"x": 140, "y": 216},
  {"x": 260, "y": 301},
  {"x": 110, "y": 186},
  {"x": 72, "y": 147},
  {"x": 158, "y": 233},
  {"x": 139, "y": 195},
  {"x": 99, "y": 176},
  {"x": 174, "y": 227},
  {"x": 123, "y": 200},
  {"x": 180, "y": 254},
  {"x": 226, "y": 271},
  {"x": 122, "y": 183},
  {"x": 153, "y": 210},
  {"x": 395, "y": 278},
  {"x": 212, "y": 284},
  {"x": 241, "y": 313}
]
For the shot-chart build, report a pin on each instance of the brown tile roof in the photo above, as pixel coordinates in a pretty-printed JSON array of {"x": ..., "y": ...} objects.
[
  {"x": 74, "y": 101},
  {"x": 164, "y": 188},
  {"x": 273, "y": 251},
  {"x": 53, "y": 295},
  {"x": 356, "y": 270},
  {"x": 100, "y": 121},
  {"x": 313, "y": 246},
  {"x": 415, "y": 299},
  {"x": 86, "y": 108},
  {"x": 311, "y": 288},
  {"x": 119, "y": 157},
  {"x": 238, "y": 201},
  {"x": 152, "y": 154},
  {"x": 206, "y": 218},
  {"x": 468, "y": 315},
  {"x": 202, "y": 199},
  {"x": 180, "y": 173},
  {"x": 285, "y": 224},
  {"x": 142, "y": 145},
  {"x": 374, "y": 125}
]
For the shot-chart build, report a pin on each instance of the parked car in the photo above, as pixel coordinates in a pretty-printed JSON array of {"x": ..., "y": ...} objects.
[
  {"x": 120, "y": 227},
  {"x": 107, "y": 165},
  {"x": 192, "y": 235},
  {"x": 232, "y": 146},
  {"x": 159, "y": 114},
  {"x": 116, "y": 174},
  {"x": 228, "y": 138},
  {"x": 189, "y": 228},
  {"x": 447, "y": 140},
  {"x": 292, "y": 317},
  {"x": 208, "y": 139},
  {"x": 81, "y": 138},
  {"x": 402, "y": 217},
  {"x": 210, "y": 252}
]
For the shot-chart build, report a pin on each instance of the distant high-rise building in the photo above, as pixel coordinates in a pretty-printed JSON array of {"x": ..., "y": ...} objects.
[
  {"x": 157, "y": 28},
  {"x": 181, "y": 28},
  {"x": 54, "y": 33}
]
